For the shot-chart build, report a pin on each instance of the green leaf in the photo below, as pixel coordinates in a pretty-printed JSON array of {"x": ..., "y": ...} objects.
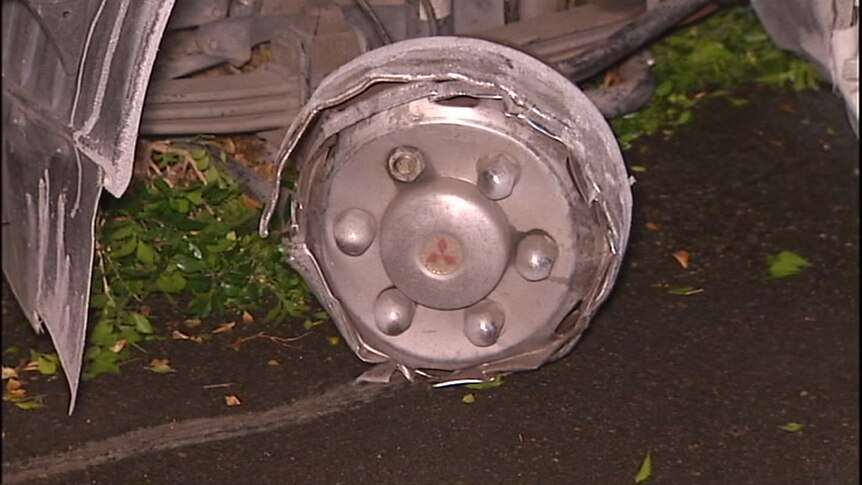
[
  {"x": 181, "y": 221},
  {"x": 664, "y": 89},
  {"x": 47, "y": 363},
  {"x": 180, "y": 205},
  {"x": 103, "y": 333},
  {"x": 786, "y": 263},
  {"x": 161, "y": 186},
  {"x": 756, "y": 37},
  {"x": 199, "y": 284},
  {"x": 645, "y": 470},
  {"x": 215, "y": 195},
  {"x": 145, "y": 253},
  {"x": 221, "y": 245},
  {"x": 98, "y": 301},
  {"x": 638, "y": 168},
  {"x": 28, "y": 404},
  {"x": 496, "y": 382},
  {"x": 142, "y": 323},
  {"x": 469, "y": 398},
  {"x": 203, "y": 163},
  {"x": 194, "y": 249},
  {"x": 189, "y": 265},
  {"x": 200, "y": 154},
  {"x": 170, "y": 283},
  {"x": 196, "y": 197},
  {"x": 131, "y": 335},
  {"x": 212, "y": 175},
  {"x": 119, "y": 230},
  {"x": 792, "y": 427},
  {"x": 126, "y": 248},
  {"x": 103, "y": 363},
  {"x": 201, "y": 305}
]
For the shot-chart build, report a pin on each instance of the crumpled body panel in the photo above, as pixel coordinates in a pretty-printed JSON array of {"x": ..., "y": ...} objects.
[{"x": 75, "y": 74}]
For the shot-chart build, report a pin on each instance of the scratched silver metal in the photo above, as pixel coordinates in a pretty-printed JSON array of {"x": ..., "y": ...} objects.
[{"x": 75, "y": 73}]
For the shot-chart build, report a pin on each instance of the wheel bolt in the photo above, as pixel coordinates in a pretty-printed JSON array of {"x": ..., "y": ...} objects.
[
  {"x": 536, "y": 256},
  {"x": 497, "y": 176},
  {"x": 354, "y": 231},
  {"x": 393, "y": 312},
  {"x": 405, "y": 164},
  {"x": 483, "y": 323}
]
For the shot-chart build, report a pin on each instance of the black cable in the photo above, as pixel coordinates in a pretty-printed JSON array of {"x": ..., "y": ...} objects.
[
  {"x": 630, "y": 38},
  {"x": 432, "y": 16},
  {"x": 631, "y": 93},
  {"x": 368, "y": 10}
]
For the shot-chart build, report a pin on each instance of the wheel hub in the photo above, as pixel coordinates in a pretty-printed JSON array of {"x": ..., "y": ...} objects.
[{"x": 461, "y": 207}]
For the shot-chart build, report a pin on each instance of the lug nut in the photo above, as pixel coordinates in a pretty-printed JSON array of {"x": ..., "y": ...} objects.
[
  {"x": 483, "y": 323},
  {"x": 536, "y": 256},
  {"x": 354, "y": 231},
  {"x": 497, "y": 175},
  {"x": 393, "y": 312},
  {"x": 405, "y": 164}
]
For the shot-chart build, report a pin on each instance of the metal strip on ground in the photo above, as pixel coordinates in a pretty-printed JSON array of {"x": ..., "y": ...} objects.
[{"x": 171, "y": 436}]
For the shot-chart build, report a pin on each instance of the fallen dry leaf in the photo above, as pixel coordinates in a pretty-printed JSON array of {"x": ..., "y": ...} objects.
[
  {"x": 232, "y": 400},
  {"x": 16, "y": 394},
  {"x": 9, "y": 373},
  {"x": 31, "y": 366},
  {"x": 192, "y": 322},
  {"x": 251, "y": 203},
  {"x": 118, "y": 346},
  {"x": 247, "y": 318},
  {"x": 273, "y": 362},
  {"x": 13, "y": 384},
  {"x": 225, "y": 327},
  {"x": 14, "y": 390},
  {"x": 177, "y": 335},
  {"x": 263, "y": 335},
  {"x": 216, "y": 386},
  {"x": 160, "y": 366},
  {"x": 683, "y": 258},
  {"x": 652, "y": 226},
  {"x": 685, "y": 291},
  {"x": 612, "y": 78}
]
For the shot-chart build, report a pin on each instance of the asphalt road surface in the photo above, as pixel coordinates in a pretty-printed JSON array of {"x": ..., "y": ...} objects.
[{"x": 703, "y": 382}]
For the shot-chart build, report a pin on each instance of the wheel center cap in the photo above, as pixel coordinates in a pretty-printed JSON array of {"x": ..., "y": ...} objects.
[
  {"x": 441, "y": 254},
  {"x": 443, "y": 244}
]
